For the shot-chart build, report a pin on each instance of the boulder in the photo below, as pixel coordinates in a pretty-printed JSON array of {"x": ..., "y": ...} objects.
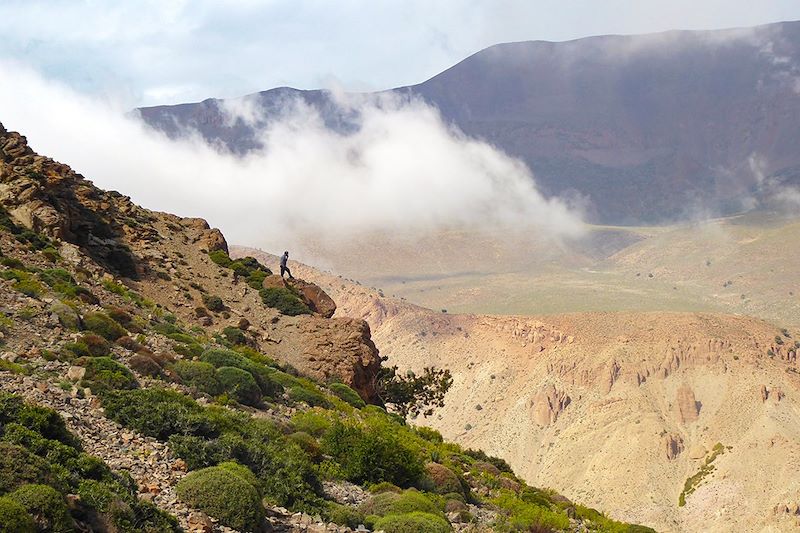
[{"x": 327, "y": 348}]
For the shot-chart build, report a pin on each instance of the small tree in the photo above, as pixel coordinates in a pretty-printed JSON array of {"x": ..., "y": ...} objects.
[{"x": 411, "y": 394}]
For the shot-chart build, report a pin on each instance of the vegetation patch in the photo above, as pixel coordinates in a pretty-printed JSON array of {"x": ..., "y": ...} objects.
[
  {"x": 706, "y": 468},
  {"x": 284, "y": 300},
  {"x": 103, "y": 373},
  {"x": 224, "y": 494},
  {"x": 347, "y": 394},
  {"x": 416, "y": 522},
  {"x": 40, "y": 461},
  {"x": 103, "y": 325}
]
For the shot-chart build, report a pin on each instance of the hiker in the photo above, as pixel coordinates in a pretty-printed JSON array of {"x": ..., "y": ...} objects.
[{"x": 284, "y": 268}]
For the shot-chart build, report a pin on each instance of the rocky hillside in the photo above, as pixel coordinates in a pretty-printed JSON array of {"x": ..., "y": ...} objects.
[
  {"x": 151, "y": 383},
  {"x": 682, "y": 421},
  {"x": 648, "y": 128}
]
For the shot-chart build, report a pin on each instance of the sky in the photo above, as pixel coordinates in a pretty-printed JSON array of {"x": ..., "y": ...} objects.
[{"x": 148, "y": 52}]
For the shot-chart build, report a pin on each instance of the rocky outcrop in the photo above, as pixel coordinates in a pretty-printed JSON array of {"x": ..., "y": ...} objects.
[
  {"x": 688, "y": 409},
  {"x": 323, "y": 348},
  {"x": 673, "y": 446},
  {"x": 548, "y": 403},
  {"x": 312, "y": 295},
  {"x": 775, "y": 394}
]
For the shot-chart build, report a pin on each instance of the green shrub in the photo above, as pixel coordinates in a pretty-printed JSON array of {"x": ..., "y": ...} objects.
[
  {"x": 521, "y": 514},
  {"x": 67, "y": 316},
  {"x": 19, "y": 467},
  {"x": 308, "y": 443},
  {"x": 347, "y": 394},
  {"x": 256, "y": 278},
  {"x": 284, "y": 300},
  {"x": 498, "y": 463},
  {"x": 104, "y": 326},
  {"x": 263, "y": 376},
  {"x": 189, "y": 350},
  {"x": 51, "y": 254},
  {"x": 389, "y": 502},
  {"x": 12, "y": 262},
  {"x": 160, "y": 413},
  {"x": 14, "y": 368},
  {"x": 430, "y": 435},
  {"x": 213, "y": 303},
  {"x": 234, "y": 335},
  {"x": 384, "y": 486},
  {"x": 46, "y": 506},
  {"x": 240, "y": 384},
  {"x": 182, "y": 338},
  {"x": 104, "y": 373},
  {"x": 44, "y": 421},
  {"x": 344, "y": 515},
  {"x": 24, "y": 282},
  {"x": 415, "y": 522},
  {"x": 200, "y": 375},
  {"x": 312, "y": 422},
  {"x": 312, "y": 397},
  {"x": 241, "y": 471},
  {"x": 60, "y": 281},
  {"x": 220, "y": 258},
  {"x": 14, "y": 518},
  {"x": 372, "y": 455},
  {"x": 225, "y": 495}
]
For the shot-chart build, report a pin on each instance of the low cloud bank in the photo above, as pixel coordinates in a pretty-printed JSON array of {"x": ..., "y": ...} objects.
[{"x": 401, "y": 169}]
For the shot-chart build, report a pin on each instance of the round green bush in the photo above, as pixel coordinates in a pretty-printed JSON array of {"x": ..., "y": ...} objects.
[
  {"x": 313, "y": 398},
  {"x": 224, "y": 495},
  {"x": 384, "y": 486},
  {"x": 46, "y": 506},
  {"x": 213, "y": 303},
  {"x": 347, "y": 394},
  {"x": 104, "y": 373},
  {"x": 14, "y": 518},
  {"x": 222, "y": 357},
  {"x": 200, "y": 375},
  {"x": 415, "y": 522},
  {"x": 411, "y": 500},
  {"x": 344, "y": 515},
  {"x": 104, "y": 326},
  {"x": 241, "y": 471},
  {"x": 239, "y": 384}
]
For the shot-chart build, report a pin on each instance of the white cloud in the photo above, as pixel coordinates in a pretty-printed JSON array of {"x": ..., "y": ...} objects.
[
  {"x": 170, "y": 51},
  {"x": 402, "y": 169}
]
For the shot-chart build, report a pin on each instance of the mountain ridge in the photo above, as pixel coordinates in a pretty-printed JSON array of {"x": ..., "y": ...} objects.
[{"x": 646, "y": 128}]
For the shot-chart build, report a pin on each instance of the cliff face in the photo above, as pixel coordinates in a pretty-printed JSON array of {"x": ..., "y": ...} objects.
[
  {"x": 165, "y": 257},
  {"x": 618, "y": 409}
]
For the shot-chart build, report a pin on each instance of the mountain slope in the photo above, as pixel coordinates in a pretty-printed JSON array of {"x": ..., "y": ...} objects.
[
  {"x": 648, "y": 128},
  {"x": 206, "y": 388},
  {"x": 639, "y": 400}
]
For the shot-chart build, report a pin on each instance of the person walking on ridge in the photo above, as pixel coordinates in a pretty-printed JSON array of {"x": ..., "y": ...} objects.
[{"x": 284, "y": 268}]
